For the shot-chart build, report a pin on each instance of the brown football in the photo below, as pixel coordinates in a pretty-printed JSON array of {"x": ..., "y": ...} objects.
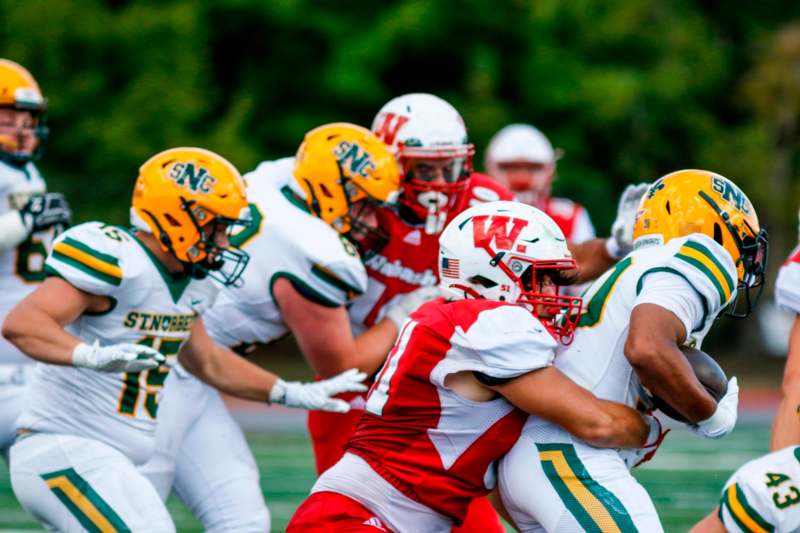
[{"x": 707, "y": 371}]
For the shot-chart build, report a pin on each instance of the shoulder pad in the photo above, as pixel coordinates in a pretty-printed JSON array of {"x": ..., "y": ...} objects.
[
  {"x": 508, "y": 341},
  {"x": 89, "y": 256},
  {"x": 328, "y": 270},
  {"x": 708, "y": 268}
]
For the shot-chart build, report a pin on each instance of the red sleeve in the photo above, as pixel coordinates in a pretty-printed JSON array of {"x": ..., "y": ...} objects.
[{"x": 483, "y": 188}]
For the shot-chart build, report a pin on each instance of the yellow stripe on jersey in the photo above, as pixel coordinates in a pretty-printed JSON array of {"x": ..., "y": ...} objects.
[
  {"x": 84, "y": 503},
  {"x": 81, "y": 258},
  {"x": 701, "y": 258},
  {"x": 740, "y": 513},
  {"x": 593, "y": 507}
]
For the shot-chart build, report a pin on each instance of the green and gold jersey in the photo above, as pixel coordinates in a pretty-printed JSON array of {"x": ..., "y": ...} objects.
[
  {"x": 285, "y": 241},
  {"x": 693, "y": 277},
  {"x": 763, "y": 496},
  {"x": 21, "y": 267},
  {"x": 149, "y": 306}
]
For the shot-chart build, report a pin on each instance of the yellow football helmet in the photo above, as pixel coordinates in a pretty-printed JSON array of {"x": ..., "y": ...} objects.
[
  {"x": 188, "y": 197},
  {"x": 19, "y": 91},
  {"x": 341, "y": 168},
  {"x": 699, "y": 201}
]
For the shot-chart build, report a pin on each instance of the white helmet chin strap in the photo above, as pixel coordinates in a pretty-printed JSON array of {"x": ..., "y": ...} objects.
[{"x": 437, "y": 212}]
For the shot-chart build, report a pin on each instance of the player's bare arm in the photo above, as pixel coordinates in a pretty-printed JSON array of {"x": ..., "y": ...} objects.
[
  {"x": 786, "y": 427},
  {"x": 592, "y": 257},
  {"x": 549, "y": 394},
  {"x": 324, "y": 334},
  {"x": 36, "y": 324},
  {"x": 709, "y": 524},
  {"x": 652, "y": 349}
]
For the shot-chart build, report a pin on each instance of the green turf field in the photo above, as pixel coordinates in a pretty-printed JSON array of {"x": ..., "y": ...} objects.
[{"x": 684, "y": 479}]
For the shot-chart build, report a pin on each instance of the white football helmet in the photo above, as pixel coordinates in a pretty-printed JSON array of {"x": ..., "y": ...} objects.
[
  {"x": 523, "y": 144},
  {"x": 422, "y": 126},
  {"x": 503, "y": 251}
]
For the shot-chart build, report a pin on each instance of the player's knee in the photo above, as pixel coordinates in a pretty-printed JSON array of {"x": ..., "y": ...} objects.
[{"x": 252, "y": 518}]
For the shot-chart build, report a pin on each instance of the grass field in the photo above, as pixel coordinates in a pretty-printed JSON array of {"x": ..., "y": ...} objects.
[{"x": 684, "y": 479}]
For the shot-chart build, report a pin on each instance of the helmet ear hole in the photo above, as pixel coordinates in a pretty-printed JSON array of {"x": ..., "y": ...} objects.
[
  {"x": 669, "y": 211},
  {"x": 717, "y": 233}
]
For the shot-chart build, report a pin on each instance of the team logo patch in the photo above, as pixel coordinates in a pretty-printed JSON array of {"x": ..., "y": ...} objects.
[
  {"x": 390, "y": 124},
  {"x": 192, "y": 177}
]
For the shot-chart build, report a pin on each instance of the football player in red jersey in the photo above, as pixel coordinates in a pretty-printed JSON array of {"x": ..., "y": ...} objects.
[
  {"x": 429, "y": 138},
  {"x": 464, "y": 373},
  {"x": 522, "y": 158}
]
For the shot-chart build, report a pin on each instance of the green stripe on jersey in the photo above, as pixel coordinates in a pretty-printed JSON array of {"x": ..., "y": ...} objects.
[
  {"x": 706, "y": 252},
  {"x": 110, "y": 259},
  {"x": 704, "y": 269},
  {"x": 86, "y": 269}
]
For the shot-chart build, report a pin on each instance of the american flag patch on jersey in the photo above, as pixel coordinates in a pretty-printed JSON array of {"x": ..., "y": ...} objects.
[{"x": 450, "y": 268}]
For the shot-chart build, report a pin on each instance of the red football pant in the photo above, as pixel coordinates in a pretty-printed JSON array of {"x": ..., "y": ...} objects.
[
  {"x": 481, "y": 518},
  {"x": 330, "y": 432},
  {"x": 323, "y": 512}
]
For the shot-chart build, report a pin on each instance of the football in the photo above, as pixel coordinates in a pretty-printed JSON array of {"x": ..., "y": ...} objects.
[{"x": 707, "y": 371}]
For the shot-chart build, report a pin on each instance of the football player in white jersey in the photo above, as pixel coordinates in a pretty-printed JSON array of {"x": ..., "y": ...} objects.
[
  {"x": 116, "y": 304},
  {"x": 763, "y": 495},
  {"x": 29, "y": 218},
  {"x": 697, "y": 246},
  {"x": 304, "y": 270}
]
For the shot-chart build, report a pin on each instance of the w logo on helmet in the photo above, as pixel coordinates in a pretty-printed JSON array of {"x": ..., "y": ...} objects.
[
  {"x": 390, "y": 124},
  {"x": 496, "y": 230},
  {"x": 196, "y": 179}
]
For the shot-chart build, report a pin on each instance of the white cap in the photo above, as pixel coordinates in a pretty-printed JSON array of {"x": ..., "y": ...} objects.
[{"x": 519, "y": 142}]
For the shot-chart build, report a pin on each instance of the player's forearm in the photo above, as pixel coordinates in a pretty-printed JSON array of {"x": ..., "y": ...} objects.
[
  {"x": 38, "y": 336},
  {"x": 615, "y": 426},
  {"x": 592, "y": 258},
  {"x": 374, "y": 345},
  {"x": 786, "y": 425},
  {"x": 231, "y": 374},
  {"x": 664, "y": 370}
]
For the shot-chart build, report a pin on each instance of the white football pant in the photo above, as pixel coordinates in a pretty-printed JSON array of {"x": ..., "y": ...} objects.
[
  {"x": 75, "y": 484},
  {"x": 551, "y": 481},
  {"x": 202, "y": 454}
]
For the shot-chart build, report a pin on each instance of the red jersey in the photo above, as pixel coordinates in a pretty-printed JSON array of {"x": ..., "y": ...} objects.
[
  {"x": 431, "y": 444},
  {"x": 408, "y": 261},
  {"x": 571, "y": 217}
]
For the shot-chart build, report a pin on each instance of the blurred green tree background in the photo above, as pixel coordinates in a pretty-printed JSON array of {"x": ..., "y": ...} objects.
[{"x": 630, "y": 89}]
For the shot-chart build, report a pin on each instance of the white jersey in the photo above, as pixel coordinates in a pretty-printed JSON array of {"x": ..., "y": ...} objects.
[
  {"x": 22, "y": 267},
  {"x": 787, "y": 286},
  {"x": 284, "y": 241},
  {"x": 150, "y": 306},
  {"x": 764, "y": 494},
  {"x": 694, "y": 277}
]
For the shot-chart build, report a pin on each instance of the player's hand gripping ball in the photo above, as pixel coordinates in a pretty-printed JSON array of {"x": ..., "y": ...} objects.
[{"x": 708, "y": 372}]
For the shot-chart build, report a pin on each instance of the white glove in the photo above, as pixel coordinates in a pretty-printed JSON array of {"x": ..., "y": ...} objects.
[
  {"x": 116, "y": 357},
  {"x": 620, "y": 243},
  {"x": 408, "y": 303},
  {"x": 723, "y": 420},
  {"x": 317, "y": 395},
  {"x": 633, "y": 457}
]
